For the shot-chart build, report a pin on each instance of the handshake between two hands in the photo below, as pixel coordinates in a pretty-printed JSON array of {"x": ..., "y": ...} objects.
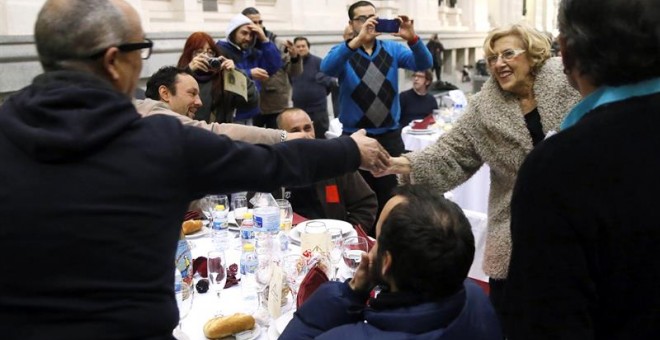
[{"x": 375, "y": 158}]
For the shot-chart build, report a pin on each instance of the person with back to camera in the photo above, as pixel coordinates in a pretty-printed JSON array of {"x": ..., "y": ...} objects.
[
  {"x": 413, "y": 281},
  {"x": 585, "y": 215},
  {"x": 92, "y": 194},
  {"x": 525, "y": 99},
  {"x": 218, "y": 105}
]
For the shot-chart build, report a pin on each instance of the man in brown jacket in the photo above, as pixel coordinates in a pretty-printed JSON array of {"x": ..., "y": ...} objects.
[{"x": 174, "y": 92}]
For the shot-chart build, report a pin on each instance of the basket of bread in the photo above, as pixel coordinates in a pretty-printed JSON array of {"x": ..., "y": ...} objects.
[{"x": 240, "y": 326}]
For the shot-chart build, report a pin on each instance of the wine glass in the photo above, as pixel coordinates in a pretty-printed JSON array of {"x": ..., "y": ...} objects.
[
  {"x": 262, "y": 279},
  {"x": 208, "y": 204},
  {"x": 286, "y": 214},
  {"x": 239, "y": 204},
  {"x": 352, "y": 249},
  {"x": 295, "y": 269},
  {"x": 217, "y": 271},
  {"x": 184, "y": 300},
  {"x": 336, "y": 240}
]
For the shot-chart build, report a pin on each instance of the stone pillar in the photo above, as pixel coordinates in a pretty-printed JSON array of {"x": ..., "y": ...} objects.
[{"x": 17, "y": 17}]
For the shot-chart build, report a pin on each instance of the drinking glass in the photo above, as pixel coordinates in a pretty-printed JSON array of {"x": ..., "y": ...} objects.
[
  {"x": 352, "y": 249},
  {"x": 217, "y": 270},
  {"x": 295, "y": 269},
  {"x": 184, "y": 303},
  {"x": 262, "y": 279},
  {"x": 239, "y": 204},
  {"x": 209, "y": 203},
  {"x": 336, "y": 240},
  {"x": 286, "y": 214}
]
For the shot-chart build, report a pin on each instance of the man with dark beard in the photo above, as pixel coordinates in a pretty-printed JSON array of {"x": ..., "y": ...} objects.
[{"x": 419, "y": 264}]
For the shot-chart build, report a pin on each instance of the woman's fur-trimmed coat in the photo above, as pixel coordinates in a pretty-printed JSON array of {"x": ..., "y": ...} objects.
[{"x": 493, "y": 131}]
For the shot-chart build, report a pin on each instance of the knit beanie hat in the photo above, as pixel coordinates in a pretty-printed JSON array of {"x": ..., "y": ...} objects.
[{"x": 237, "y": 21}]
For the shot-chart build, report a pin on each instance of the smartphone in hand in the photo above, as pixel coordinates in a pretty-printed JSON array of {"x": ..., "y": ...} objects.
[{"x": 388, "y": 26}]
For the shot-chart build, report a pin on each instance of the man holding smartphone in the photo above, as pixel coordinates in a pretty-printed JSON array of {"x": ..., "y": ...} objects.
[{"x": 367, "y": 69}]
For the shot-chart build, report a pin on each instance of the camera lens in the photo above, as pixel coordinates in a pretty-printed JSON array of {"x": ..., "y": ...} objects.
[{"x": 214, "y": 62}]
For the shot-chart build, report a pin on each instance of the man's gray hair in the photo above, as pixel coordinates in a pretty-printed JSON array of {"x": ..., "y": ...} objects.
[{"x": 70, "y": 30}]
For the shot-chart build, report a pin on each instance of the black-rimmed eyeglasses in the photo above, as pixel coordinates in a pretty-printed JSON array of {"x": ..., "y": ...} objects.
[
  {"x": 144, "y": 47},
  {"x": 363, "y": 18}
]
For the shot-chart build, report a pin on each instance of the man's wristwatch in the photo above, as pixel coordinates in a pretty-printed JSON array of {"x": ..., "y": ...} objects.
[{"x": 283, "y": 135}]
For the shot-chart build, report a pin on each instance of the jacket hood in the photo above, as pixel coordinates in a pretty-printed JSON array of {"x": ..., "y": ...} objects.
[
  {"x": 65, "y": 114},
  {"x": 236, "y": 21}
]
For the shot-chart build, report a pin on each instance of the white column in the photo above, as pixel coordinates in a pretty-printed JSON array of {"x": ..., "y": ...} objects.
[
  {"x": 424, "y": 12},
  {"x": 17, "y": 17}
]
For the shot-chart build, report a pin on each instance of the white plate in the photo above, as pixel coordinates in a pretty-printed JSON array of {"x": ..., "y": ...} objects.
[
  {"x": 422, "y": 131},
  {"x": 282, "y": 321},
  {"x": 201, "y": 233},
  {"x": 346, "y": 228},
  {"x": 256, "y": 331}
]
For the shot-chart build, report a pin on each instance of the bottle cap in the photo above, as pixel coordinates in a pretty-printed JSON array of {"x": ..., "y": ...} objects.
[
  {"x": 248, "y": 247},
  {"x": 220, "y": 207},
  {"x": 247, "y": 215}
]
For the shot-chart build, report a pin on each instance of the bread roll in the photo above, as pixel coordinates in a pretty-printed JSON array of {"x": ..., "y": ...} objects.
[
  {"x": 224, "y": 326},
  {"x": 191, "y": 226}
]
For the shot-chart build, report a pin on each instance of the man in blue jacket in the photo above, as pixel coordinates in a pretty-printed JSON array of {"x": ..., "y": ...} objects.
[
  {"x": 367, "y": 69},
  {"x": 252, "y": 52},
  {"x": 420, "y": 261}
]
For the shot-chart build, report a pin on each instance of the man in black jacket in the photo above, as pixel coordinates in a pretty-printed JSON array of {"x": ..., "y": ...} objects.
[
  {"x": 347, "y": 197},
  {"x": 585, "y": 218},
  {"x": 91, "y": 194}
]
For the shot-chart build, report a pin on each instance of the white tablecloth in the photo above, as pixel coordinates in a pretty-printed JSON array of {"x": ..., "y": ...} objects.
[
  {"x": 204, "y": 305},
  {"x": 471, "y": 195}
]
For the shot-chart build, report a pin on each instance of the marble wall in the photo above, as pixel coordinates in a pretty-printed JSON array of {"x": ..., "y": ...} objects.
[{"x": 168, "y": 22}]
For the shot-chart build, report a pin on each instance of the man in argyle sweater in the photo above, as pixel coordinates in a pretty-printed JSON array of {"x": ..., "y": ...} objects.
[{"x": 367, "y": 69}]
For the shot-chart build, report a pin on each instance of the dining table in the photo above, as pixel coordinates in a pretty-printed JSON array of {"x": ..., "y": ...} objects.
[{"x": 204, "y": 305}]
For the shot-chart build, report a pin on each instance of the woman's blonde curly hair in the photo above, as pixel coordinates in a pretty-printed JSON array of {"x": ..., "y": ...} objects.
[{"x": 536, "y": 43}]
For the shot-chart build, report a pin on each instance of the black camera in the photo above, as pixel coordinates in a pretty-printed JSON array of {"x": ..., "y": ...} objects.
[
  {"x": 216, "y": 62},
  {"x": 388, "y": 25}
]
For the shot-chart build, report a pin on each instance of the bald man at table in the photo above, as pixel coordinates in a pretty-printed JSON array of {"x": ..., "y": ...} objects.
[{"x": 346, "y": 197}]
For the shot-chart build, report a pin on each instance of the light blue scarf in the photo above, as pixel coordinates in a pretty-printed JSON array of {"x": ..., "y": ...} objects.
[{"x": 609, "y": 94}]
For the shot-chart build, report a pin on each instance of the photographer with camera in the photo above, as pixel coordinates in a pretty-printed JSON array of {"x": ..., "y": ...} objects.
[
  {"x": 203, "y": 59},
  {"x": 365, "y": 63}
]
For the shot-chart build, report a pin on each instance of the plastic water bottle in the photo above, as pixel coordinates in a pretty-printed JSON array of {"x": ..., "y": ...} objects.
[
  {"x": 220, "y": 228},
  {"x": 266, "y": 223},
  {"x": 247, "y": 229},
  {"x": 249, "y": 264}
]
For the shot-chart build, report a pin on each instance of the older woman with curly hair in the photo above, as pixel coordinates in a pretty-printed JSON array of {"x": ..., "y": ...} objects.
[
  {"x": 525, "y": 99},
  {"x": 218, "y": 105}
]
